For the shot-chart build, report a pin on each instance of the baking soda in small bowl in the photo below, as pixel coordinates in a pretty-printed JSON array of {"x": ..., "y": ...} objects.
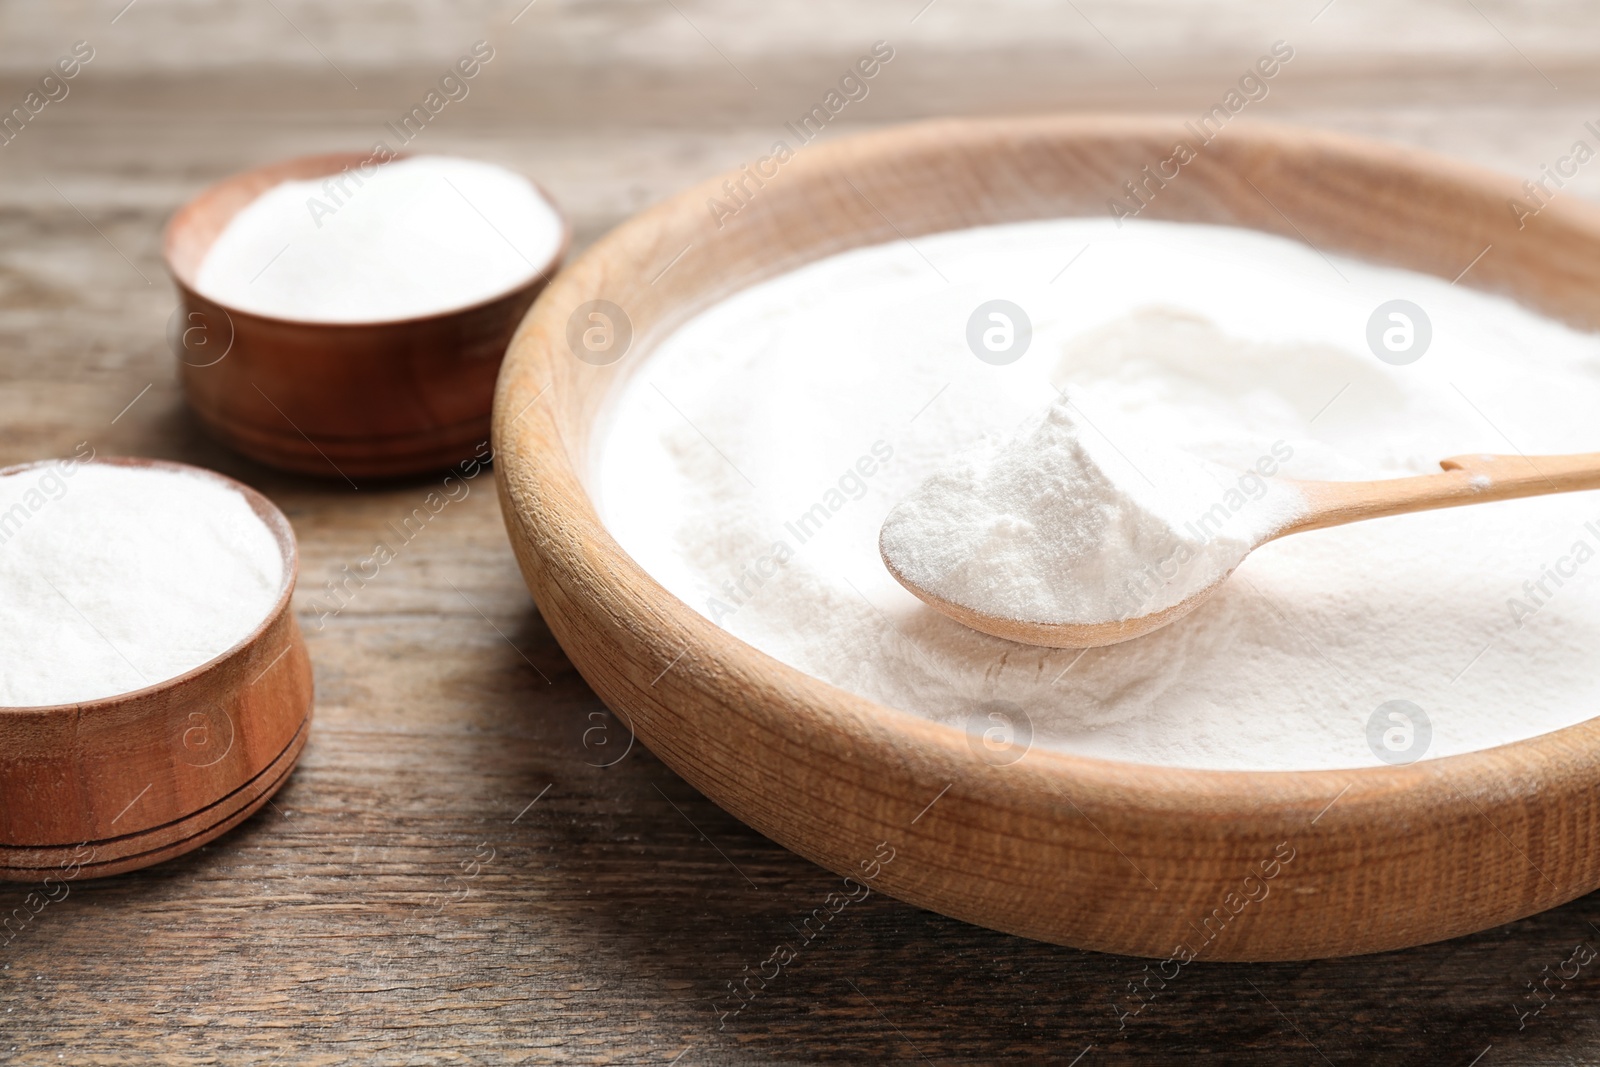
[
  {"x": 407, "y": 239},
  {"x": 114, "y": 578}
]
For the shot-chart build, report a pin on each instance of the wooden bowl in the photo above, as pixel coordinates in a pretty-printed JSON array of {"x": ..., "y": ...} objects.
[
  {"x": 1153, "y": 861},
  {"x": 115, "y": 784},
  {"x": 401, "y": 396}
]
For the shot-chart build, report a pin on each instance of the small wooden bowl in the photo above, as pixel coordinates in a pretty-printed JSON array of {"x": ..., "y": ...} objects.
[
  {"x": 401, "y": 396},
  {"x": 1152, "y": 861},
  {"x": 120, "y": 783}
]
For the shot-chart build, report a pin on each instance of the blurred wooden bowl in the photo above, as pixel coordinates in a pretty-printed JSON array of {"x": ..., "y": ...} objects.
[
  {"x": 111, "y": 785},
  {"x": 1152, "y": 861},
  {"x": 389, "y": 398}
]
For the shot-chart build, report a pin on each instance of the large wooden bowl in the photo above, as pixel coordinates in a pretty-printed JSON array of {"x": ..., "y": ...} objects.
[
  {"x": 111, "y": 785},
  {"x": 1098, "y": 854}
]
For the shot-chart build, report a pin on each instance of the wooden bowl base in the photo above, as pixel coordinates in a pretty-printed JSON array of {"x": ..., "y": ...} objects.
[{"x": 130, "y": 852}]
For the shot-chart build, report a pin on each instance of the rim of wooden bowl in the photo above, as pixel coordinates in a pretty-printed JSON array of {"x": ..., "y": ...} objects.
[
  {"x": 271, "y": 517},
  {"x": 195, "y": 226},
  {"x": 1088, "y": 852}
]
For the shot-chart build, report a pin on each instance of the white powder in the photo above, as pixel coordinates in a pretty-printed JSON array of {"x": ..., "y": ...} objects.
[
  {"x": 115, "y": 578},
  {"x": 1060, "y": 525},
  {"x": 751, "y": 461},
  {"x": 414, "y": 237}
]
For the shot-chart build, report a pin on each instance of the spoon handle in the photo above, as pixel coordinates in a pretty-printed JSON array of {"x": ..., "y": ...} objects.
[{"x": 1474, "y": 479}]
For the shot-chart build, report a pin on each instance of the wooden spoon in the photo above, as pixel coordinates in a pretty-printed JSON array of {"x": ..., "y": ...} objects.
[{"x": 1477, "y": 479}]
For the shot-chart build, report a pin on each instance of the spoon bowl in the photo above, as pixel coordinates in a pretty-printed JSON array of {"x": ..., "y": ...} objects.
[
  {"x": 1055, "y": 634},
  {"x": 1472, "y": 479}
]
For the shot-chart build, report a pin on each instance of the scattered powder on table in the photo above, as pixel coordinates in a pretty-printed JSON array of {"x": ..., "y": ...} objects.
[
  {"x": 415, "y": 237},
  {"x": 750, "y": 461},
  {"x": 1059, "y": 525},
  {"x": 115, "y": 578}
]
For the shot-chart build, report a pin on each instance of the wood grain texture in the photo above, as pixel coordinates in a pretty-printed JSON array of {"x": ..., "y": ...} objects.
[{"x": 617, "y": 907}]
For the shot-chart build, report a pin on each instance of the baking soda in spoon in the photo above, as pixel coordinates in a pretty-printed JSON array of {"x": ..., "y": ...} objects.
[
  {"x": 415, "y": 237},
  {"x": 1078, "y": 519}
]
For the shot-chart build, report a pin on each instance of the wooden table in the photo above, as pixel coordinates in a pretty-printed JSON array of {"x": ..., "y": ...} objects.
[{"x": 595, "y": 906}]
